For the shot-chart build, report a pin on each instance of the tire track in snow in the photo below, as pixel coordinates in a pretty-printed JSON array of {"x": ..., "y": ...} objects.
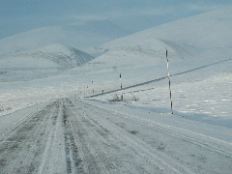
[
  {"x": 50, "y": 140},
  {"x": 183, "y": 133},
  {"x": 161, "y": 162},
  {"x": 85, "y": 139},
  {"x": 21, "y": 153},
  {"x": 83, "y": 160},
  {"x": 53, "y": 159},
  {"x": 199, "y": 142},
  {"x": 73, "y": 161},
  {"x": 17, "y": 126}
]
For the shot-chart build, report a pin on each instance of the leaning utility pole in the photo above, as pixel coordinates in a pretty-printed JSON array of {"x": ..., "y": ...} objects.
[{"x": 169, "y": 79}]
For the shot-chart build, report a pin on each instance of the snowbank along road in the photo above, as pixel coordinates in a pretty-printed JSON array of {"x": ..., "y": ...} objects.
[{"x": 71, "y": 136}]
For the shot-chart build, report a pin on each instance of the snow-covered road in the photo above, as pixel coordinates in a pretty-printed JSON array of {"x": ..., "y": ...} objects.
[{"x": 74, "y": 136}]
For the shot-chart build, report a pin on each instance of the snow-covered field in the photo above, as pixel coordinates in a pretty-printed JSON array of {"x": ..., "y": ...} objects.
[{"x": 49, "y": 123}]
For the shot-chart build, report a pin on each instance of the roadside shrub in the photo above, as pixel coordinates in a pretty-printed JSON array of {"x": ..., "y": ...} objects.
[
  {"x": 116, "y": 98},
  {"x": 135, "y": 98},
  {"x": 1, "y": 108}
]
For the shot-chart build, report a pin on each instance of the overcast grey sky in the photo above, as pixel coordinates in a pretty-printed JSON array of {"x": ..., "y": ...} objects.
[{"x": 132, "y": 15}]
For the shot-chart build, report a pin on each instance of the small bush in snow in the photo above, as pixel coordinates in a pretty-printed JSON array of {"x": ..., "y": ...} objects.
[
  {"x": 1, "y": 108},
  {"x": 134, "y": 98},
  {"x": 116, "y": 98}
]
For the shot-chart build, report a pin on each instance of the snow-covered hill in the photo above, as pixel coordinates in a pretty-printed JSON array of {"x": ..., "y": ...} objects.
[
  {"x": 199, "y": 46},
  {"x": 76, "y": 33},
  {"x": 192, "y": 36},
  {"x": 42, "y": 62},
  {"x": 201, "y": 43},
  {"x": 42, "y": 52},
  {"x": 191, "y": 42}
]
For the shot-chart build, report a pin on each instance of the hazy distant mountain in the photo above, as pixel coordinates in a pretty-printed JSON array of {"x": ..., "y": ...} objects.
[
  {"x": 40, "y": 63},
  {"x": 81, "y": 35},
  {"x": 202, "y": 36},
  {"x": 192, "y": 42}
]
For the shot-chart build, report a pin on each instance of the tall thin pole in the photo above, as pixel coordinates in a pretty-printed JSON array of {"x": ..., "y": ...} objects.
[
  {"x": 169, "y": 81},
  {"x": 120, "y": 76},
  {"x": 92, "y": 87},
  {"x": 87, "y": 90}
]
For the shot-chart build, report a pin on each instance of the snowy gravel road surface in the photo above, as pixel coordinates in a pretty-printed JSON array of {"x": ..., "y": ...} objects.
[{"x": 71, "y": 136}]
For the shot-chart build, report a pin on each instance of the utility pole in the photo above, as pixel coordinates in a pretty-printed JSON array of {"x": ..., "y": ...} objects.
[
  {"x": 84, "y": 90},
  {"x": 87, "y": 90},
  {"x": 92, "y": 87},
  {"x": 169, "y": 82},
  {"x": 120, "y": 76}
]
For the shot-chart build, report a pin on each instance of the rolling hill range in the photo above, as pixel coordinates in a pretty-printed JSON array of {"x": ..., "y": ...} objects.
[
  {"x": 207, "y": 35},
  {"x": 199, "y": 50},
  {"x": 46, "y": 51},
  {"x": 42, "y": 62},
  {"x": 75, "y": 33},
  {"x": 200, "y": 62},
  {"x": 192, "y": 42}
]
